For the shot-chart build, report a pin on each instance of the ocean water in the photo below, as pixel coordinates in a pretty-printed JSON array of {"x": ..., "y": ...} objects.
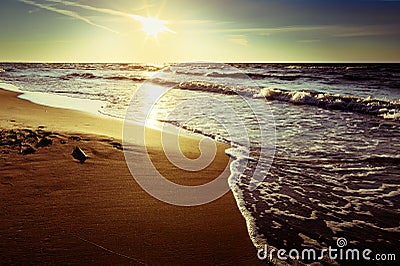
[{"x": 335, "y": 128}]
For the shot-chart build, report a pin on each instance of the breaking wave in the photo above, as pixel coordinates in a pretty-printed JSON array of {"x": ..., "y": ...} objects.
[
  {"x": 377, "y": 107},
  {"x": 243, "y": 75},
  {"x": 87, "y": 75},
  {"x": 381, "y": 108}
]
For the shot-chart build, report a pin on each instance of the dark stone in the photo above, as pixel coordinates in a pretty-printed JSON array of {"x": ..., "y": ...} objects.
[
  {"x": 117, "y": 145},
  {"x": 76, "y": 138},
  {"x": 44, "y": 142},
  {"x": 4, "y": 142},
  {"x": 79, "y": 155},
  {"x": 42, "y": 133},
  {"x": 28, "y": 150}
]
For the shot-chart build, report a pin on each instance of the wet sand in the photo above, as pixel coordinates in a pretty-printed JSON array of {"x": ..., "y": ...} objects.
[{"x": 55, "y": 210}]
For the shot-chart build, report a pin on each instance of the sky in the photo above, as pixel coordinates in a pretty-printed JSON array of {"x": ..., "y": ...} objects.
[{"x": 206, "y": 30}]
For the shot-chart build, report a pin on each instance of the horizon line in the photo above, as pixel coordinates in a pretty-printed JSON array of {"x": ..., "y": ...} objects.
[{"x": 199, "y": 61}]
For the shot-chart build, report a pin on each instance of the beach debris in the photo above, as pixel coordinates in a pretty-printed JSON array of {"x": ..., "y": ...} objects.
[
  {"x": 44, "y": 142},
  {"x": 43, "y": 133},
  {"x": 79, "y": 155},
  {"x": 6, "y": 142},
  {"x": 28, "y": 150},
  {"x": 24, "y": 141},
  {"x": 117, "y": 145},
  {"x": 76, "y": 138}
]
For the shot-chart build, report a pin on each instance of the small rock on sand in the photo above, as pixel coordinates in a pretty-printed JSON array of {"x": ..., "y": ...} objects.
[
  {"x": 28, "y": 150},
  {"x": 44, "y": 142},
  {"x": 79, "y": 155}
]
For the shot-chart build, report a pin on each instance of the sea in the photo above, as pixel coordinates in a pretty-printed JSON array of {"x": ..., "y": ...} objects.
[{"x": 316, "y": 147}]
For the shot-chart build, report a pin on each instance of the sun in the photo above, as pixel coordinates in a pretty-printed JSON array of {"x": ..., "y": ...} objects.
[{"x": 152, "y": 26}]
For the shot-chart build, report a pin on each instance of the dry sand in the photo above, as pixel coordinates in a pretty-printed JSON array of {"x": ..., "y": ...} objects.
[{"x": 55, "y": 210}]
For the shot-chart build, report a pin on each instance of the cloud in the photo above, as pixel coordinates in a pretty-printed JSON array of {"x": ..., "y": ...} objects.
[
  {"x": 317, "y": 32},
  {"x": 239, "y": 39},
  {"x": 205, "y": 22},
  {"x": 67, "y": 13},
  {"x": 308, "y": 41},
  {"x": 367, "y": 31},
  {"x": 91, "y": 8},
  {"x": 86, "y": 7},
  {"x": 267, "y": 31}
]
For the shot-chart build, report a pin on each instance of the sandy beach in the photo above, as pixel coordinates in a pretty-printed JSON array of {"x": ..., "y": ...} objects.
[
  {"x": 200, "y": 132},
  {"x": 55, "y": 210}
]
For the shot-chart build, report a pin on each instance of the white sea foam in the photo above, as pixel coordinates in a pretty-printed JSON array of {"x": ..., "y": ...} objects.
[{"x": 385, "y": 109}]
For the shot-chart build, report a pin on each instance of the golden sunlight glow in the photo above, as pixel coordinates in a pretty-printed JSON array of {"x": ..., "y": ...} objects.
[{"x": 152, "y": 26}]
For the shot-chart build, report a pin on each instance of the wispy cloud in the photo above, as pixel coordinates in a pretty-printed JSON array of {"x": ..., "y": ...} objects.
[
  {"x": 201, "y": 22},
  {"x": 67, "y": 13},
  {"x": 317, "y": 32},
  {"x": 367, "y": 31},
  {"x": 91, "y": 8},
  {"x": 308, "y": 41},
  {"x": 267, "y": 31},
  {"x": 239, "y": 39}
]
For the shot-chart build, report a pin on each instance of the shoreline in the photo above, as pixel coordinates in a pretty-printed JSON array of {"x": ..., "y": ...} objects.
[
  {"x": 59, "y": 211},
  {"x": 92, "y": 107}
]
